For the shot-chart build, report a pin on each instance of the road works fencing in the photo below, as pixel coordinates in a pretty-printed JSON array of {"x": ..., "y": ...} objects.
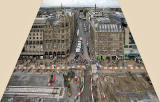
[
  {"x": 91, "y": 87},
  {"x": 52, "y": 67},
  {"x": 121, "y": 68}
]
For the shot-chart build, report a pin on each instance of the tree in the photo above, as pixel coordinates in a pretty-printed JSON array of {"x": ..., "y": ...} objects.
[{"x": 85, "y": 12}]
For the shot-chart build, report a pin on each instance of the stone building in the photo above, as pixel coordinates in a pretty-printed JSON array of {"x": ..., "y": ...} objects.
[
  {"x": 34, "y": 43},
  {"x": 108, "y": 39},
  {"x": 58, "y": 36}
]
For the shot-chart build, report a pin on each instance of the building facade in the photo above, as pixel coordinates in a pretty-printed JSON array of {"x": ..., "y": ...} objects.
[
  {"x": 58, "y": 36},
  {"x": 34, "y": 43},
  {"x": 51, "y": 37},
  {"x": 108, "y": 40}
]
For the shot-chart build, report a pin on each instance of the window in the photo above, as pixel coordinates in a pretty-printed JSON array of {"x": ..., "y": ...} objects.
[
  {"x": 33, "y": 37},
  {"x": 50, "y": 45},
  {"x": 30, "y": 42},
  {"x": 37, "y": 42},
  {"x": 125, "y": 46},
  {"x": 41, "y": 42},
  {"x": 134, "y": 46},
  {"x": 66, "y": 24},
  {"x": 37, "y": 37},
  {"x": 46, "y": 46},
  {"x": 26, "y": 42},
  {"x": 62, "y": 30},
  {"x": 62, "y": 24}
]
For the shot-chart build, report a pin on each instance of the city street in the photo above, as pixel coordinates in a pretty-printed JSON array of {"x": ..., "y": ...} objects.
[{"x": 78, "y": 55}]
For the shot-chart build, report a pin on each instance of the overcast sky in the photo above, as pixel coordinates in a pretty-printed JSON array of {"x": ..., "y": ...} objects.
[{"x": 77, "y": 3}]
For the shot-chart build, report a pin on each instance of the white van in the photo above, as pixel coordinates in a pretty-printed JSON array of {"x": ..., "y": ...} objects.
[{"x": 80, "y": 38}]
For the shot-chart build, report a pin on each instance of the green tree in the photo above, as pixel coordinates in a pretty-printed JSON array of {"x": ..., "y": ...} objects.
[{"x": 85, "y": 12}]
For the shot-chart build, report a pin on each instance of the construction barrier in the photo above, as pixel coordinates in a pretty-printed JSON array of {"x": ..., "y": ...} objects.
[
  {"x": 91, "y": 87},
  {"x": 53, "y": 67},
  {"x": 120, "y": 68},
  {"x": 79, "y": 93}
]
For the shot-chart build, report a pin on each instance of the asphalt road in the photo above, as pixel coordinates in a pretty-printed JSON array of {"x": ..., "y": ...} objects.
[{"x": 86, "y": 95}]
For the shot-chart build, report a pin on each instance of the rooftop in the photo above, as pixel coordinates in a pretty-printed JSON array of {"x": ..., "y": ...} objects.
[
  {"x": 40, "y": 20},
  {"x": 105, "y": 25}
]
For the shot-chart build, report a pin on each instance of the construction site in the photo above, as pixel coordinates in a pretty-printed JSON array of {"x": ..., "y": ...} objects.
[
  {"x": 49, "y": 86},
  {"x": 123, "y": 86}
]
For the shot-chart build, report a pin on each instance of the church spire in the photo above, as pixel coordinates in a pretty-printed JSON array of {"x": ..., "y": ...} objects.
[{"x": 95, "y": 8}]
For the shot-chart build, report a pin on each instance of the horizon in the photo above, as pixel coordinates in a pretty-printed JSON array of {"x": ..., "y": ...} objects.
[{"x": 82, "y": 3}]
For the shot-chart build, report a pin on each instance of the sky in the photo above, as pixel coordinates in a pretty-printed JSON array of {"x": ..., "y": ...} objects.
[{"x": 80, "y": 3}]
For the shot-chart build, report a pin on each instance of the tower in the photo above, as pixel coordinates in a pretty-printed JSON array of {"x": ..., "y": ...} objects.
[
  {"x": 95, "y": 8},
  {"x": 61, "y": 6}
]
